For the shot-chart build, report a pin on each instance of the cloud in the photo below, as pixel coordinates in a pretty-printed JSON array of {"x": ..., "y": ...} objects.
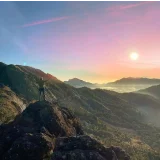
[
  {"x": 132, "y": 5},
  {"x": 45, "y": 21},
  {"x": 124, "y": 7}
]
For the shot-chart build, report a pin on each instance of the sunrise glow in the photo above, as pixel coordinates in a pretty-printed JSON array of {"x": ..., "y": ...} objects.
[{"x": 134, "y": 56}]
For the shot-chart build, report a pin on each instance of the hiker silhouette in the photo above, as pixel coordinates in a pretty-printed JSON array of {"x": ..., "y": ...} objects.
[{"x": 41, "y": 84}]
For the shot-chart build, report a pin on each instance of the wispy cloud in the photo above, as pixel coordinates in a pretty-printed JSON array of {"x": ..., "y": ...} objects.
[
  {"x": 45, "y": 21},
  {"x": 133, "y": 5},
  {"x": 127, "y": 6}
]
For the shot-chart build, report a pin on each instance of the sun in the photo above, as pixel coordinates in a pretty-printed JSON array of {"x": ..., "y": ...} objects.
[{"x": 134, "y": 56}]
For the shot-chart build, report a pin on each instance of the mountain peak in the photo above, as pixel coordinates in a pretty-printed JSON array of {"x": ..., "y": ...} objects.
[
  {"x": 76, "y": 79},
  {"x": 75, "y": 82}
]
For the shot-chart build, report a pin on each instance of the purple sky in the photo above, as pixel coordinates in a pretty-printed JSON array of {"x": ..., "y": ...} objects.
[{"x": 88, "y": 40}]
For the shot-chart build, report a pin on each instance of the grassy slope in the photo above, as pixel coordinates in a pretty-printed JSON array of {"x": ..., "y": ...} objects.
[
  {"x": 153, "y": 91},
  {"x": 10, "y": 105},
  {"x": 113, "y": 121}
]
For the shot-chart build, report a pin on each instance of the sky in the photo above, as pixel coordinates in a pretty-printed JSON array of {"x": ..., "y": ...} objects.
[{"x": 87, "y": 40}]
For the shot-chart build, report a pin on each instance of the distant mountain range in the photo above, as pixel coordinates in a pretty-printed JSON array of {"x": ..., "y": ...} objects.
[
  {"x": 75, "y": 82},
  {"x": 137, "y": 83},
  {"x": 110, "y": 117}
]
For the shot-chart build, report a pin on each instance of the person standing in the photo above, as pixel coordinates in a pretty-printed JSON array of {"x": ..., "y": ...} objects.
[{"x": 41, "y": 84}]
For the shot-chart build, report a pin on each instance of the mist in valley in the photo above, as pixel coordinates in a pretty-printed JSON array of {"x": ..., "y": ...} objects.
[{"x": 126, "y": 88}]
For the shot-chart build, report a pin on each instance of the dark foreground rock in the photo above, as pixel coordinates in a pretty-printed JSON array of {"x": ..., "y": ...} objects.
[
  {"x": 30, "y": 147},
  {"x": 58, "y": 121},
  {"x": 85, "y": 148},
  {"x": 32, "y": 134},
  {"x": 45, "y": 131}
]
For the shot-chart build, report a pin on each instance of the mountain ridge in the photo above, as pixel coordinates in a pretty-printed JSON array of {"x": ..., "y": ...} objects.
[
  {"x": 133, "y": 80},
  {"x": 153, "y": 91},
  {"x": 103, "y": 114},
  {"x": 147, "y": 82}
]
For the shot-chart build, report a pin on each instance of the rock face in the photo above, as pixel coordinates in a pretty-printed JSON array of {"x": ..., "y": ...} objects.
[
  {"x": 85, "y": 148},
  {"x": 58, "y": 121},
  {"x": 45, "y": 131},
  {"x": 32, "y": 134},
  {"x": 30, "y": 147}
]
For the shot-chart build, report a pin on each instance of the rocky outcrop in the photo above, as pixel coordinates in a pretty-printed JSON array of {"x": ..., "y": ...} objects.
[
  {"x": 30, "y": 147},
  {"x": 45, "y": 131},
  {"x": 85, "y": 148},
  {"x": 58, "y": 121},
  {"x": 32, "y": 134}
]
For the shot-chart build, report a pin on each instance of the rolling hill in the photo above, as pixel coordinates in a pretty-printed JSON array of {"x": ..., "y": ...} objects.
[{"x": 153, "y": 91}]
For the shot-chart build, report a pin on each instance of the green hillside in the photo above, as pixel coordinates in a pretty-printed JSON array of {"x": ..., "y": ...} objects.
[{"x": 10, "y": 104}]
